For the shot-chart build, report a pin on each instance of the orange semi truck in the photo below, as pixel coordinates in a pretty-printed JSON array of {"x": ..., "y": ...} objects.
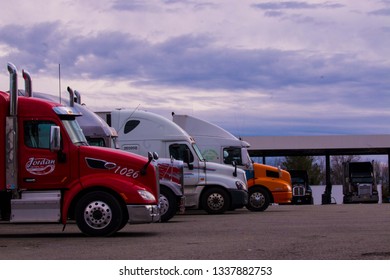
[
  {"x": 49, "y": 174},
  {"x": 266, "y": 184}
]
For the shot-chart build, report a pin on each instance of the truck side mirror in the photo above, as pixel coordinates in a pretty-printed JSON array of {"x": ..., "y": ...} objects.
[
  {"x": 155, "y": 156},
  {"x": 187, "y": 157},
  {"x": 150, "y": 158},
  {"x": 55, "y": 138},
  {"x": 234, "y": 163}
]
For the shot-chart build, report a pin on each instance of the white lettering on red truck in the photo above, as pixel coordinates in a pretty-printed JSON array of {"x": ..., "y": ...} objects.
[
  {"x": 124, "y": 171},
  {"x": 102, "y": 164},
  {"x": 40, "y": 166}
]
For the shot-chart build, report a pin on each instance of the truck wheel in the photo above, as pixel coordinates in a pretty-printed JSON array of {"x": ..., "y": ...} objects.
[
  {"x": 258, "y": 199},
  {"x": 168, "y": 207},
  {"x": 99, "y": 214},
  {"x": 124, "y": 222},
  {"x": 215, "y": 201}
]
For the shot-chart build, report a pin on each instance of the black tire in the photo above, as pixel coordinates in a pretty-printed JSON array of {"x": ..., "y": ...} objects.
[
  {"x": 168, "y": 205},
  {"x": 258, "y": 199},
  {"x": 346, "y": 199},
  {"x": 99, "y": 214},
  {"x": 215, "y": 201},
  {"x": 125, "y": 219}
]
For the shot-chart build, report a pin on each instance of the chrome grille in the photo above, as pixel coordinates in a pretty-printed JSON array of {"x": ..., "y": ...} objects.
[
  {"x": 364, "y": 189},
  {"x": 298, "y": 190}
]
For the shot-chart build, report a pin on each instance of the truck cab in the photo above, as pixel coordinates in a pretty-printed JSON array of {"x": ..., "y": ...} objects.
[
  {"x": 359, "y": 184},
  {"x": 210, "y": 186},
  {"x": 99, "y": 133},
  {"x": 50, "y": 173},
  {"x": 266, "y": 184},
  {"x": 302, "y": 192}
]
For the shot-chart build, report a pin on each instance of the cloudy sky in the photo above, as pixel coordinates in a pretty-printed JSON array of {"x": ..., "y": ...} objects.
[{"x": 255, "y": 67}]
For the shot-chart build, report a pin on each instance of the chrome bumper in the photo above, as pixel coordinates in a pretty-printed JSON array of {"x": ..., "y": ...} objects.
[{"x": 143, "y": 214}]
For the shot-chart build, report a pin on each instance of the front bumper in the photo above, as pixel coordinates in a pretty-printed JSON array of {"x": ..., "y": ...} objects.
[
  {"x": 307, "y": 199},
  {"x": 239, "y": 198},
  {"x": 143, "y": 214},
  {"x": 361, "y": 199},
  {"x": 181, "y": 205},
  {"x": 282, "y": 197}
]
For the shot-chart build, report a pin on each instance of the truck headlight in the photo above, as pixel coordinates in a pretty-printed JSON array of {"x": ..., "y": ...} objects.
[
  {"x": 240, "y": 185},
  {"x": 146, "y": 195}
]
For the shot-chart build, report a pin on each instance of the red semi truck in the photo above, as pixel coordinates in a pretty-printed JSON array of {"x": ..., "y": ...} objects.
[
  {"x": 49, "y": 174},
  {"x": 98, "y": 133}
]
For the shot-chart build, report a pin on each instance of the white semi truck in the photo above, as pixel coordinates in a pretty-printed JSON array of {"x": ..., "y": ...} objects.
[
  {"x": 266, "y": 184},
  {"x": 213, "y": 187}
]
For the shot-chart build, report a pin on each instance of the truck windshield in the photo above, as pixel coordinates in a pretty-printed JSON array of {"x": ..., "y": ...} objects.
[
  {"x": 198, "y": 153},
  {"x": 246, "y": 158},
  {"x": 74, "y": 131},
  {"x": 368, "y": 180},
  {"x": 297, "y": 180},
  {"x": 231, "y": 154},
  {"x": 239, "y": 155},
  {"x": 114, "y": 142}
]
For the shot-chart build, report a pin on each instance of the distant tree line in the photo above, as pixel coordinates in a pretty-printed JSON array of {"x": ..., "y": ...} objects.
[
  {"x": 308, "y": 163},
  {"x": 315, "y": 166}
]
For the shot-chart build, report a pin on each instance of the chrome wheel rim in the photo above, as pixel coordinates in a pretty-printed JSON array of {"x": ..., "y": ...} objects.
[
  {"x": 257, "y": 199},
  {"x": 97, "y": 214},
  {"x": 164, "y": 204},
  {"x": 215, "y": 201}
]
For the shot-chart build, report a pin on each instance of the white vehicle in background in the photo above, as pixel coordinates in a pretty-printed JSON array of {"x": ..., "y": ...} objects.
[
  {"x": 213, "y": 187},
  {"x": 266, "y": 184}
]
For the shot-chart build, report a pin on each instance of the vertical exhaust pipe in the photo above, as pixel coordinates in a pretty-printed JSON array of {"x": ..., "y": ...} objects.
[
  {"x": 11, "y": 134},
  {"x": 77, "y": 97},
  {"x": 71, "y": 97},
  {"x": 27, "y": 84},
  {"x": 13, "y": 89}
]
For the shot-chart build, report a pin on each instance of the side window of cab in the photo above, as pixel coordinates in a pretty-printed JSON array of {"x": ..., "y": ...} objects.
[
  {"x": 181, "y": 152},
  {"x": 37, "y": 134},
  {"x": 232, "y": 154}
]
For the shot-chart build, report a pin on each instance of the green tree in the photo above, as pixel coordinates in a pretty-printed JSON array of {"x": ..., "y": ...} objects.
[{"x": 308, "y": 163}]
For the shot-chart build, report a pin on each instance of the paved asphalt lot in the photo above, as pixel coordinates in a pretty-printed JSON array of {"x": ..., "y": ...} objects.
[{"x": 282, "y": 232}]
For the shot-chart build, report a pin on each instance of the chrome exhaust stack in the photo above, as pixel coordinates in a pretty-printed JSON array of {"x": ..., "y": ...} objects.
[
  {"x": 27, "y": 84},
  {"x": 77, "y": 98},
  {"x": 13, "y": 89},
  {"x": 11, "y": 134},
  {"x": 71, "y": 97}
]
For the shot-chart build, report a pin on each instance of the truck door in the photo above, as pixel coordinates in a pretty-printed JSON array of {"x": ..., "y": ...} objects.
[
  {"x": 39, "y": 167},
  {"x": 181, "y": 151}
]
